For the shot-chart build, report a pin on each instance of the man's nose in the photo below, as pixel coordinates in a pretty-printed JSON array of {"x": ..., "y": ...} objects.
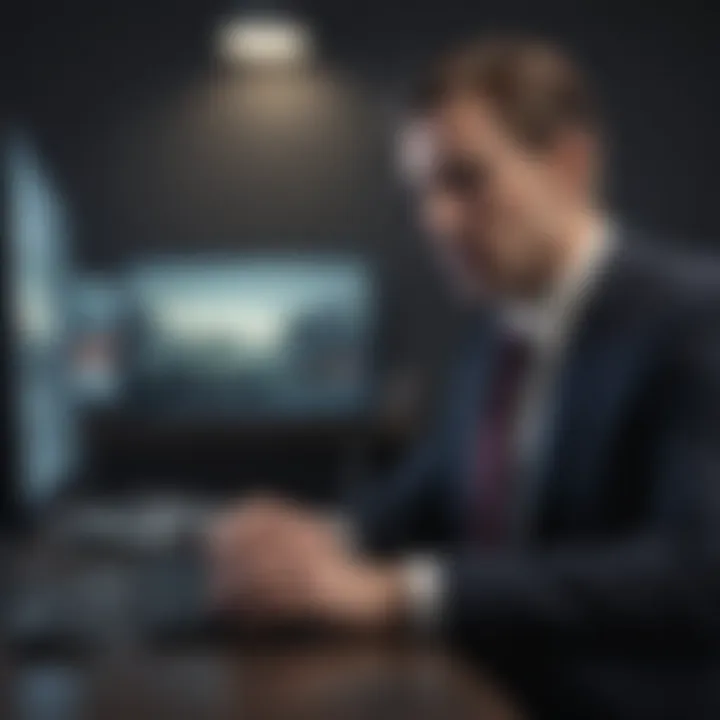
[{"x": 444, "y": 217}]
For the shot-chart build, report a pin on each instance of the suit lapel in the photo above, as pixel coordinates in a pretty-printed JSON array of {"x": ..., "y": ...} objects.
[{"x": 600, "y": 365}]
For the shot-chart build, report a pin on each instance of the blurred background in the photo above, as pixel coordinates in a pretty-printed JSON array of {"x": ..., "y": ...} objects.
[{"x": 212, "y": 276}]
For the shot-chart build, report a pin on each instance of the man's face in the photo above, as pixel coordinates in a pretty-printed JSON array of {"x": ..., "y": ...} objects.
[{"x": 490, "y": 206}]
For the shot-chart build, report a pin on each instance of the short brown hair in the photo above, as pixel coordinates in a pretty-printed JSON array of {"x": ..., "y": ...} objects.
[{"x": 537, "y": 89}]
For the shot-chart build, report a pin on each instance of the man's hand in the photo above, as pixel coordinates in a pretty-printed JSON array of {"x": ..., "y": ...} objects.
[{"x": 274, "y": 563}]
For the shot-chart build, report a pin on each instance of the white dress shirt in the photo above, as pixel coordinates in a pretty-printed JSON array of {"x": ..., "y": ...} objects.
[{"x": 547, "y": 325}]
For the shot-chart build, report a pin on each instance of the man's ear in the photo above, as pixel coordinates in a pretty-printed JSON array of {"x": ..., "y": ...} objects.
[{"x": 577, "y": 156}]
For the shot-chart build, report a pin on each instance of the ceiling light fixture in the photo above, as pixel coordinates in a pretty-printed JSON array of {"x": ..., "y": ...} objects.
[{"x": 276, "y": 39}]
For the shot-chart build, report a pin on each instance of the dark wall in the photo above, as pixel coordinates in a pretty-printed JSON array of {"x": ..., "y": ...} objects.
[
  {"x": 162, "y": 151},
  {"x": 8, "y": 451}
]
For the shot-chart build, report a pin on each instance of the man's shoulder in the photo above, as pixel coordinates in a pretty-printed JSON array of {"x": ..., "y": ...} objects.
[
  {"x": 665, "y": 281},
  {"x": 673, "y": 306}
]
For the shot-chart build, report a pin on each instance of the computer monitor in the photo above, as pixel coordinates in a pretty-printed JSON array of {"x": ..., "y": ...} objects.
[
  {"x": 259, "y": 338},
  {"x": 38, "y": 274}
]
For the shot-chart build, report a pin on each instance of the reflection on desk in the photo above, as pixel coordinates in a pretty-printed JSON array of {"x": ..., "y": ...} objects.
[
  {"x": 320, "y": 680},
  {"x": 123, "y": 672}
]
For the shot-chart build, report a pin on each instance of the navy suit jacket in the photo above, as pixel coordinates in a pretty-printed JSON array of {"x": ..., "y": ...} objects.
[{"x": 624, "y": 538}]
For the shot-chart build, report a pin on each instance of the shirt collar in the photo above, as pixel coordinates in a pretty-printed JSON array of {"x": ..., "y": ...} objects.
[{"x": 544, "y": 320}]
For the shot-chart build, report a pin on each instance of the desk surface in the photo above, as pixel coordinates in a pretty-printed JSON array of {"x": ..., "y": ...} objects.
[
  {"x": 128, "y": 677},
  {"x": 320, "y": 681}
]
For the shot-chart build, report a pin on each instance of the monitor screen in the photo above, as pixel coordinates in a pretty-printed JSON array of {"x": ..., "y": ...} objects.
[
  {"x": 39, "y": 275},
  {"x": 252, "y": 337}
]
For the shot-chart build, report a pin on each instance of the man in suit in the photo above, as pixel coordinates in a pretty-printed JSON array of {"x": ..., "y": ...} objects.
[{"x": 569, "y": 496}]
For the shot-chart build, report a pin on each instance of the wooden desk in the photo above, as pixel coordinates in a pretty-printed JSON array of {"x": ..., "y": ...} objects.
[
  {"x": 126, "y": 677},
  {"x": 323, "y": 681}
]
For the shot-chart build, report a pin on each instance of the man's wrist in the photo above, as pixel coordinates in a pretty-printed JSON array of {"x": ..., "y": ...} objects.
[
  {"x": 397, "y": 606},
  {"x": 424, "y": 580},
  {"x": 381, "y": 598},
  {"x": 406, "y": 595}
]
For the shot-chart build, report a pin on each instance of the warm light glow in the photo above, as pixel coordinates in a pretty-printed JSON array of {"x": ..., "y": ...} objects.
[{"x": 277, "y": 40}]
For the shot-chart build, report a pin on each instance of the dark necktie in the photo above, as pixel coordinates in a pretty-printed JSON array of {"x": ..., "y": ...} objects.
[{"x": 495, "y": 457}]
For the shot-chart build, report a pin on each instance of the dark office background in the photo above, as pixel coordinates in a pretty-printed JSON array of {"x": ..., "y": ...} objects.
[{"x": 158, "y": 149}]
